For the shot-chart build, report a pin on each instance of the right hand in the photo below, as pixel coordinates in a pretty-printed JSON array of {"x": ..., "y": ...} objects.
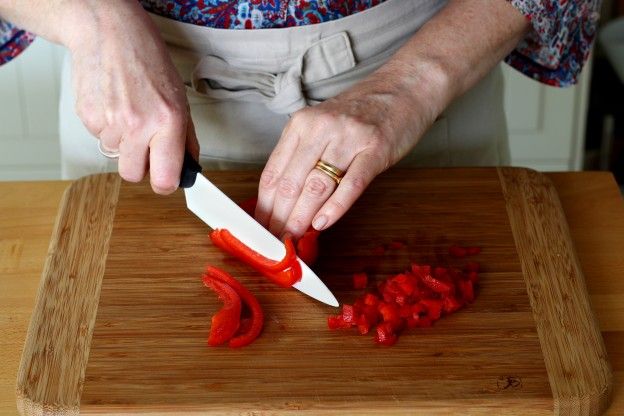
[{"x": 129, "y": 94}]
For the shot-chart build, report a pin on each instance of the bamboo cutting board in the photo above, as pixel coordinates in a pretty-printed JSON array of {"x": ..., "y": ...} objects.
[{"x": 121, "y": 318}]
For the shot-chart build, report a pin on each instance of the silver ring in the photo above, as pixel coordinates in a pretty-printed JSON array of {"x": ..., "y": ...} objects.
[{"x": 107, "y": 153}]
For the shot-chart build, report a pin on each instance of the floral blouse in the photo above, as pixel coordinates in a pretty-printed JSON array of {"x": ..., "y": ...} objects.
[{"x": 553, "y": 52}]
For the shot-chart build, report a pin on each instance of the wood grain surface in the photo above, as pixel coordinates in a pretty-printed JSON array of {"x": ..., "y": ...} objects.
[
  {"x": 574, "y": 353},
  {"x": 461, "y": 361},
  {"x": 51, "y": 374}
]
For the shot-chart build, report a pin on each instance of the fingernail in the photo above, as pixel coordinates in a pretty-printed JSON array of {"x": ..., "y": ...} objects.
[{"x": 319, "y": 223}]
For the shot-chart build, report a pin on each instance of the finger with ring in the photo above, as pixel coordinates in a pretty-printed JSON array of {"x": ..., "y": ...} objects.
[
  {"x": 111, "y": 154},
  {"x": 330, "y": 170}
]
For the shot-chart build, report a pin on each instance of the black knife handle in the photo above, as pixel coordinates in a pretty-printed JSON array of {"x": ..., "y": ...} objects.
[{"x": 190, "y": 169}]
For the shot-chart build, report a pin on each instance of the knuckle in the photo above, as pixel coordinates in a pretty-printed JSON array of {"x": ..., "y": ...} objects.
[
  {"x": 287, "y": 188},
  {"x": 298, "y": 224},
  {"x": 316, "y": 186},
  {"x": 91, "y": 119},
  {"x": 132, "y": 120},
  {"x": 325, "y": 120},
  {"x": 171, "y": 114},
  {"x": 375, "y": 138},
  {"x": 356, "y": 184},
  {"x": 268, "y": 179},
  {"x": 300, "y": 117}
]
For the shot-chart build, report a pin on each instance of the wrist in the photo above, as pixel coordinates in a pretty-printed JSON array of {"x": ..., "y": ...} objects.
[
  {"x": 82, "y": 20},
  {"x": 426, "y": 84}
]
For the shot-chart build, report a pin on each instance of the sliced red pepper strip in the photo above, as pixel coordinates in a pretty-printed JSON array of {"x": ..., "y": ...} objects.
[
  {"x": 225, "y": 322},
  {"x": 224, "y": 239},
  {"x": 285, "y": 272},
  {"x": 257, "y": 315}
]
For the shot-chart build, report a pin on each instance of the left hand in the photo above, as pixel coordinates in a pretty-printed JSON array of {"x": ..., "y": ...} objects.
[{"x": 362, "y": 131}]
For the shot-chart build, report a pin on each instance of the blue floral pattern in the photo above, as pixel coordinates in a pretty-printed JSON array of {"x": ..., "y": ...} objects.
[{"x": 553, "y": 52}]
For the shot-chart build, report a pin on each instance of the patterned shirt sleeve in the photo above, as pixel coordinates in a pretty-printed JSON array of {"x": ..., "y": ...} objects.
[
  {"x": 559, "y": 43},
  {"x": 12, "y": 41}
]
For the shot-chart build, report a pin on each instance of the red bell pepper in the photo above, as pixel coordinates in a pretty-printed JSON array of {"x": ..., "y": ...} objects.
[
  {"x": 249, "y": 205},
  {"x": 307, "y": 246},
  {"x": 284, "y": 272},
  {"x": 249, "y": 334},
  {"x": 225, "y": 323}
]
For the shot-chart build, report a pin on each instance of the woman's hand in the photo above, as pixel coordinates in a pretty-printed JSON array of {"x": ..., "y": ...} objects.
[
  {"x": 362, "y": 131},
  {"x": 129, "y": 95},
  {"x": 373, "y": 125}
]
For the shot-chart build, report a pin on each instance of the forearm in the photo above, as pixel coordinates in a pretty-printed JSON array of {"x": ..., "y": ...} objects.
[
  {"x": 68, "y": 22},
  {"x": 455, "y": 49}
]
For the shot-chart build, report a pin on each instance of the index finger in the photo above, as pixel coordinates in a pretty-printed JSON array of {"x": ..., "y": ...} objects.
[
  {"x": 361, "y": 172},
  {"x": 166, "y": 156}
]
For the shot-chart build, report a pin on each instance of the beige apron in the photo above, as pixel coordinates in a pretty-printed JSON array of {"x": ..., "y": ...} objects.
[{"x": 242, "y": 85}]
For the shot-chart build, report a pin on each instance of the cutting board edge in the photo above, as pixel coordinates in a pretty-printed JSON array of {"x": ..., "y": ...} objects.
[
  {"x": 61, "y": 286},
  {"x": 589, "y": 395}
]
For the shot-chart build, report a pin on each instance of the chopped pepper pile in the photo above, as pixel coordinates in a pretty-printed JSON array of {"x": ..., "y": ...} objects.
[{"x": 415, "y": 298}]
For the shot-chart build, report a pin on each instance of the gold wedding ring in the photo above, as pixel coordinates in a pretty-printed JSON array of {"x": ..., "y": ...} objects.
[
  {"x": 330, "y": 170},
  {"x": 107, "y": 153}
]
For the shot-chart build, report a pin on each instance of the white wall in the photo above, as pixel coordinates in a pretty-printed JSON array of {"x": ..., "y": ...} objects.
[{"x": 29, "y": 90}]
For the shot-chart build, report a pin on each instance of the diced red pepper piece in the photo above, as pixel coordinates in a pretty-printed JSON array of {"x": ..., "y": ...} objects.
[
  {"x": 436, "y": 285},
  {"x": 420, "y": 270},
  {"x": 360, "y": 280},
  {"x": 226, "y": 321},
  {"x": 440, "y": 272},
  {"x": 390, "y": 315},
  {"x": 370, "y": 299},
  {"x": 371, "y": 313},
  {"x": 363, "y": 328},
  {"x": 385, "y": 335},
  {"x": 433, "y": 308},
  {"x": 336, "y": 322},
  {"x": 450, "y": 304},
  {"x": 348, "y": 314},
  {"x": 245, "y": 336}
]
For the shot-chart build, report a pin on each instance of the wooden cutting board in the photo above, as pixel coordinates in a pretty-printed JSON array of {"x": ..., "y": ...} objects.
[{"x": 121, "y": 318}]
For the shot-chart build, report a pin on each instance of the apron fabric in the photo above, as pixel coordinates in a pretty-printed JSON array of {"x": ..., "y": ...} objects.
[{"x": 242, "y": 85}]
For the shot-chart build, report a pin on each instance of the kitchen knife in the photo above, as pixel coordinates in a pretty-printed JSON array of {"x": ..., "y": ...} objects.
[{"x": 217, "y": 210}]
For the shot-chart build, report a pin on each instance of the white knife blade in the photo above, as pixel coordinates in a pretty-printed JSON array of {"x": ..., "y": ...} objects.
[{"x": 217, "y": 210}]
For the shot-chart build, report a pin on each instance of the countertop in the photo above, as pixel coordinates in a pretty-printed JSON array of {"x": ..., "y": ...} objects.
[{"x": 592, "y": 203}]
